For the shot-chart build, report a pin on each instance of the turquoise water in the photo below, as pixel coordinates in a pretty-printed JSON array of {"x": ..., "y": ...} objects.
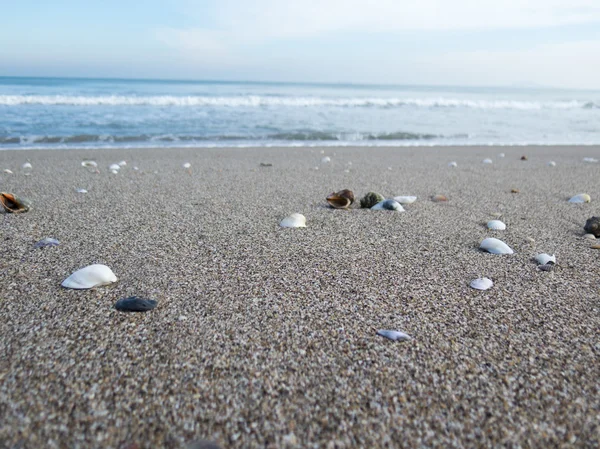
[{"x": 96, "y": 113}]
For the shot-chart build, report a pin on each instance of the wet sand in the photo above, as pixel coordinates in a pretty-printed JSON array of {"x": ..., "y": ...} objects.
[{"x": 265, "y": 337}]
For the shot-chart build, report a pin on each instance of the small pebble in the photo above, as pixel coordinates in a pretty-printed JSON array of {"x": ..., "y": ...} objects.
[
  {"x": 439, "y": 198},
  {"x": 135, "y": 304}
]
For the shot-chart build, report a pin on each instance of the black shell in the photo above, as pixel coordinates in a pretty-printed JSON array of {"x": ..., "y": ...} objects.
[
  {"x": 135, "y": 304},
  {"x": 592, "y": 226}
]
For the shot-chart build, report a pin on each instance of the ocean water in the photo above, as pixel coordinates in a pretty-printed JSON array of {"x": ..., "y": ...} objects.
[{"x": 50, "y": 113}]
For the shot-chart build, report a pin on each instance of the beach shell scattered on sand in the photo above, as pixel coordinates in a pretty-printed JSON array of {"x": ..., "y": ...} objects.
[
  {"x": 388, "y": 205},
  {"x": 552, "y": 164},
  {"x": 370, "y": 200},
  {"x": 452, "y": 164},
  {"x": 405, "y": 199},
  {"x": 114, "y": 167},
  {"x": 187, "y": 165},
  {"x": 46, "y": 242},
  {"x": 341, "y": 200},
  {"x": 89, "y": 277},
  {"x": 439, "y": 198},
  {"x": 394, "y": 335},
  {"x": 294, "y": 221},
  {"x": 523, "y": 158},
  {"x": 592, "y": 226},
  {"x": 487, "y": 161},
  {"x": 122, "y": 163},
  {"x": 92, "y": 164},
  {"x": 26, "y": 166},
  {"x": 81, "y": 191},
  {"x": 495, "y": 246},
  {"x": 325, "y": 160},
  {"x": 7, "y": 171},
  {"x": 501, "y": 155},
  {"x": 14, "y": 204},
  {"x": 545, "y": 259},
  {"x": 496, "y": 225},
  {"x": 135, "y": 304},
  {"x": 590, "y": 159},
  {"x": 580, "y": 198},
  {"x": 481, "y": 283},
  {"x": 546, "y": 267}
]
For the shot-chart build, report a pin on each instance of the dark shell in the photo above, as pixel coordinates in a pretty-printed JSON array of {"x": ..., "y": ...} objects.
[
  {"x": 13, "y": 204},
  {"x": 592, "y": 226},
  {"x": 135, "y": 304},
  {"x": 46, "y": 242},
  {"x": 341, "y": 200},
  {"x": 370, "y": 200},
  {"x": 548, "y": 267},
  {"x": 523, "y": 158}
]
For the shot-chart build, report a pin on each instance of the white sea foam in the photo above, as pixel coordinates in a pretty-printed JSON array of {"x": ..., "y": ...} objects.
[{"x": 262, "y": 101}]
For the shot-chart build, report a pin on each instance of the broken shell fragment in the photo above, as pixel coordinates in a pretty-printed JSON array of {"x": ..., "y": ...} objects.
[
  {"x": 13, "y": 204},
  {"x": 405, "y": 199},
  {"x": 48, "y": 241},
  {"x": 592, "y": 226},
  {"x": 580, "y": 198},
  {"x": 135, "y": 304},
  {"x": 481, "y": 283},
  {"x": 496, "y": 225},
  {"x": 341, "y": 200},
  {"x": 90, "y": 277},
  {"x": 545, "y": 259},
  {"x": 495, "y": 246},
  {"x": 7, "y": 171},
  {"x": 394, "y": 335},
  {"x": 370, "y": 200},
  {"x": 388, "y": 205},
  {"x": 294, "y": 221}
]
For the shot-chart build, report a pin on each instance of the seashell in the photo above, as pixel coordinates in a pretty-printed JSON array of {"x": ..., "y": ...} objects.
[
  {"x": 388, "y": 205},
  {"x": 589, "y": 159},
  {"x": 394, "y": 335},
  {"x": 552, "y": 164},
  {"x": 481, "y": 283},
  {"x": 135, "y": 304},
  {"x": 592, "y": 226},
  {"x": 514, "y": 190},
  {"x": 13, "y": 204},
  {"x": 26, "y": 166},
  {"x": 92, "y": 164},
  {"x": 589, "y": 236},
  {"x": 487, "y": 161},
  {"x": 115, "y": 172},
  {"x": 90, "y": 277},
  {"x": 325, "y": 160},
  {"x": 580, "y": 198},
  {"x": 341, "y": 200},
  {"x": 595, "y": 246},
  {"x": 370, "y": 200},
  {"x": 7, "y": 171},
  {"x": 501, "y": 155},
  {"x": 46, "y": 242},
  {"x": 545, "y": 259},
  {"x": 439, "y": 198},
  {"x": 294, "y": 221},
  {"x": 136, "y": 168},
  {"x": 523, "y": 158},
  {"x": 122, "y": 163},
  {"x": 405, "y": 199},
  {"x": 496, "y": 225},
  {"x": 81, "y": 191},
  {"x": 495, "y": 246},
  {"x": 112, "y": 167},
  {"x": 266, "y": 164},
  {"x": 452, "y": 164},
  {"x": 546, "y": 267},
  {"x": 187, "y": 165}
]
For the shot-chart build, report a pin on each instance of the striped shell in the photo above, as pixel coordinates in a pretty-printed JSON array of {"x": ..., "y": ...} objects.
[
  {"x": 545, "y": 259},
  {"x": 293, "y": 221},
  {"x": 496, "y": 225}
]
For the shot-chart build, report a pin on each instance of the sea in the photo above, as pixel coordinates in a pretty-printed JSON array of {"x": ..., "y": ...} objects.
[{"x": 63, "y": 113}]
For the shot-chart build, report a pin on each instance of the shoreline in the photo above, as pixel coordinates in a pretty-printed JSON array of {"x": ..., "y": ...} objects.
[{"x": 266, "y": 337}]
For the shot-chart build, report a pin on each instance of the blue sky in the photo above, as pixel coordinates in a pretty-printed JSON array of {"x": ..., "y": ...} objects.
[{"x": 461, "y": 42}]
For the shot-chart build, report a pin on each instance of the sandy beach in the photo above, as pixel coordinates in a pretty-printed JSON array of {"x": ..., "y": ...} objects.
[{"x": 265, "y": 337}]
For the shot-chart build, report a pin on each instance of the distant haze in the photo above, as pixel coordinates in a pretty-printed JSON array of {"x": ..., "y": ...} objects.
[{"x": 552, "y": 43}]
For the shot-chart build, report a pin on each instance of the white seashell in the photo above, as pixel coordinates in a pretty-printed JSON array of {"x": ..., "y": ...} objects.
[
  {"x": 187, "y": 165},
  {"x": 544, "y": 259},
  {"x": 90, "y": 277},
  {"x": 388, "y": 205},
  {"x": 590, "y": 236},
  {"x": 495, "y": 246},
  {"x": 501, "y": 155},
  {"x": 81, "y": 191},
  {"x": 326, "y": 159},
  {"x": 405, "y": 199},
  {"x": 581, "y": 198},
  {"x": 394, "y": 335},
  {"x": 496, "y": 225},
  {"x": 115, "y": 172},
  {"x": 294, "y": 221},
  {"x": 122, "y": 163},
  {"x": 114, "y": 167},
  {"x": 589, "y": 159},
  {"x": 89, "y": 164},
  {"x": 552, "y": 164},
  {"x": 452, "y": 164},
  {"x": 487, "y": 161},
  {"x": 7, "y": 171},
  {"x": 136, "y": 168},
  {"x": 481, "y": 283},
  {"x": 26, "y": 166}
]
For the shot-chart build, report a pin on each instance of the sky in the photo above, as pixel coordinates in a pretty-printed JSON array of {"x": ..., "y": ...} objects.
[{"x": 554, "y": 43}]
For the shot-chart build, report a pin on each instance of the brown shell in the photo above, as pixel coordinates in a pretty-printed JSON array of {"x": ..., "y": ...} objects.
[
  {"x": 439, "y": 198},
  {"x": 13, "y": 204},
  {"x": 341, "y": 200}
]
